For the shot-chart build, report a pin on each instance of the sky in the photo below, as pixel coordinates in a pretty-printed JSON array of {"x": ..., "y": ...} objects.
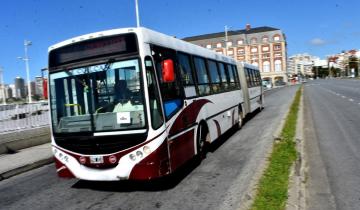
[{"x": 317, "y": 27}]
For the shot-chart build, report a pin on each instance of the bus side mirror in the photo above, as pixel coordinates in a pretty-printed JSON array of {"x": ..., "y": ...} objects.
[{"x": 168, "y": 73}]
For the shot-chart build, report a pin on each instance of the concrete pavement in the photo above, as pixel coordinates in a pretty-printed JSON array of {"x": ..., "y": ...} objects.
[{"x": 24, "y": 160}]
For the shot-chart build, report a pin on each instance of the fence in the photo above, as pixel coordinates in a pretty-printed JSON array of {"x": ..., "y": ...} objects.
[{"x": 20, "y": 117}]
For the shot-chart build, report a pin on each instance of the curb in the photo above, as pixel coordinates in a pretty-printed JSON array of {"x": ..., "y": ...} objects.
[
  {"x": 248, "y": 199},
  {"x": 25, "y": 168},
  {"x": 23, "y": 139},
  {"x": 297, "y": 178}
]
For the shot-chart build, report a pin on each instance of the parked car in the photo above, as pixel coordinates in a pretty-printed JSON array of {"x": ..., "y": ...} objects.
[
  {"x": 266, "y": 84},
  {"x": 280, "y": 83}
]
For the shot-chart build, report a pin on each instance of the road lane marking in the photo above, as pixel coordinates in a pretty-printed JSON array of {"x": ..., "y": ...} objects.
[
  {"x": 350, "y": 99},
  {"x": 343, "y": 96}
]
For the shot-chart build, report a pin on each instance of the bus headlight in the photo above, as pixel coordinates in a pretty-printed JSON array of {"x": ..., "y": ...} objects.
[
  {"x": 132, "y": 157},
  {"x": 146, "y": 150},
  {"x": 139, "y": 154}
]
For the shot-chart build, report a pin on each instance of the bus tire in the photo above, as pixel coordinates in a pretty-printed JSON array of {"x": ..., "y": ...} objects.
[
  {"x": 203, "y": 138},
  {"x": 240, "y": 120},
  {"x": 261, "y": 103}
]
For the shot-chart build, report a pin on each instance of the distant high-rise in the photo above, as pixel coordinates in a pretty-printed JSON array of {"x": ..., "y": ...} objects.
[
  {"x": 20, "y": 87},
  {"x": 13, "y": 91},
  {"x": 39, "y": 86},
  {"x": 33, "y": 87},
  {"x": 9, "y": 92}
]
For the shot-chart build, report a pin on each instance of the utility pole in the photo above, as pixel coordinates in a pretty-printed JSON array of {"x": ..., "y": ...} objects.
[
  {"x": 226, "y": 39},
  {"x": 137, "y": 14},
  {"x": 26, "y": 59},
  {"x": 3, "y": 85}
]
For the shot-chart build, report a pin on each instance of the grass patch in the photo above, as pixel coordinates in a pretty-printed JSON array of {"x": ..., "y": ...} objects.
[{"x": 273, "y": 186}]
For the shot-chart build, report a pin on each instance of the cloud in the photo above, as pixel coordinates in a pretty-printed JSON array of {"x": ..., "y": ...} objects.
[{"x": 318, "y": 42}]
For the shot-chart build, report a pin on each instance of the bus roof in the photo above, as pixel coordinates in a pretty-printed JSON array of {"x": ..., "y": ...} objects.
[
  {"x": 153, "y": 37},
  {"x": 247, "y": 65}
]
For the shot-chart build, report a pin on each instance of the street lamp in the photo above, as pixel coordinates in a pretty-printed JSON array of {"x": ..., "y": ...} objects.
[
  {"x": 26, "y": 59},
  {"x": 226, "y": 39},
  {"x": 137, "y": 14},
  {"x": 3, "y": 85}
]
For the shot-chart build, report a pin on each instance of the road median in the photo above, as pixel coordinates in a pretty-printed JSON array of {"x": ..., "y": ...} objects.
[{"x": 272, "y": 191}]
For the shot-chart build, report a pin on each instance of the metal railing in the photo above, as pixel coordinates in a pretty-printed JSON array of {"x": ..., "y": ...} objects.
[{"x": 20, "y": 117}]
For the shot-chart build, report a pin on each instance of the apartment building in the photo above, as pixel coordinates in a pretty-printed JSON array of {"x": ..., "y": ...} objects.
[{"x": 264, "y": 47}]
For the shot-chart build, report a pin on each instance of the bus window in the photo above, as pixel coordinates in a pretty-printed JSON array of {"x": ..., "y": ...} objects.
[
  {"x": 247, "y": 75},
  {"x": 170, "y": 91},
  {"x": 186, "y": 73},
  {"x": 231, "y": 76},
  {"x": 202, "y": 76},
  {"x": 154, "y": 98},
  {"x": 214, "y": 76},
  {"x": 237, "y": 81},
  {"x": 224, "y": 77},
  {"x": 254, "y": 78},
  {"x": 259, "y": 77}
]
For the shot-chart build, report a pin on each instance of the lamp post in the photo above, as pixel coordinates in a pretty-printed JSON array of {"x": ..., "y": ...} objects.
[
  {"x": 26, "y": 59},
  {"x": 3, "y": 85},
  {"x": 137, "y": 14},
  {"x": 226, "y": 39}
]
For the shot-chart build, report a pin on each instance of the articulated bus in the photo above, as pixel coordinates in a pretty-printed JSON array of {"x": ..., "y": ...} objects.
[{"x": 137, "y": 104}]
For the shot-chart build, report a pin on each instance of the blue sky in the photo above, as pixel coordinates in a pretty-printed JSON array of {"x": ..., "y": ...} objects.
[{"x": 319, "y": 27}]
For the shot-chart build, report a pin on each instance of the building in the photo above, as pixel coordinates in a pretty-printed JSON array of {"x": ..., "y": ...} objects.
[
  {"x": 33, "y": 88},
  {"x": 347, "y": 62},
  {"x": 12, "y": 91},
  {"x": 20, "y": 88},
  {"x": 301, "y": 64},
  {"x": 39, "y": 90},
  {"x": 264, "y": 47}
]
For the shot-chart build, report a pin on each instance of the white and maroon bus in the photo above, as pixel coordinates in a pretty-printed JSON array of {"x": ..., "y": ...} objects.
[{"x": 137, "y": 104}]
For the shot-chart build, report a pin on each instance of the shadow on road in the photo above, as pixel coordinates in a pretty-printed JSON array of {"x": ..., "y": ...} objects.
[
  {"x": 164, "y": 183},
  {"x": 160, "y": 184},
  {"x": 224, "y": 137}
]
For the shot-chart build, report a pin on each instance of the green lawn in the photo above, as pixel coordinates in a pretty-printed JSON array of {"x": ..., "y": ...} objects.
[{"x": 273, "y": 186}]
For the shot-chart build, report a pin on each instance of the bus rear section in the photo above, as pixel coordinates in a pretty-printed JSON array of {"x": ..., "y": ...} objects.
[{"x": 252, "y": 87}]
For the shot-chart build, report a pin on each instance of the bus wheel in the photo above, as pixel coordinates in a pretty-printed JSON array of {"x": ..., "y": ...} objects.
[
  {"x": 261, "y": 104},
  {"x": 240, "y": 121},
  {"x": 202, "y": 139}
]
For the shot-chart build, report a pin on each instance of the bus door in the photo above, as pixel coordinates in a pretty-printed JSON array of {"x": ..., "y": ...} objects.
[{"x": 180, "y": 138}]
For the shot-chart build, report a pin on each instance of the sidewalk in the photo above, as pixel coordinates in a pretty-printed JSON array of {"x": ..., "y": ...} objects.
[{"x": 25, "y": 160}]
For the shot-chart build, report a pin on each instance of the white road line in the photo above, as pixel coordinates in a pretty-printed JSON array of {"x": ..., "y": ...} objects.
[
  {"x": 350, "y": 99},
  {"x": 343, "y": 96}
]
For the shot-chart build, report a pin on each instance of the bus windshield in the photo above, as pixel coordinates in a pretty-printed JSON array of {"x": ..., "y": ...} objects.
[{"x": 104, "y": 97}]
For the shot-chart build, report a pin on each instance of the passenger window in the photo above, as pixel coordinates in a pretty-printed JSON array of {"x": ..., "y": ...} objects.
[
  {"x": 237, "y": 81},
  {"x": 214, "y": 76},
  {"x": 154, "y": 98},
  {"x": 224, "y": 77},
  {"x": 247, "y": 75},
  {"x": 231, "y": 77},
  {"x": 186, "y": 73},
  {"x": 170, "y": 91},
  {"x": 185, "y": 69},
  {"x": 202, "y": 76}
]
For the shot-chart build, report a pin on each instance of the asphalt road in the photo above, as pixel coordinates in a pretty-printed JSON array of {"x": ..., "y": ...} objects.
[
  {"x": 332, "y": 133},
  {"x": 219, "y": 182}
]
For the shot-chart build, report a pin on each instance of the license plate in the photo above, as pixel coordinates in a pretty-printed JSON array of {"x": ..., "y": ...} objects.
[{"x": 96, "y": 159}]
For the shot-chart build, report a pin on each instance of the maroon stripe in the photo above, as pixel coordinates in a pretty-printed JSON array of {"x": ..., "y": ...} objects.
[
  {"x": 188, "y": 116},
  {"x": 217, "y": 128},
  {"x": 181, "y": 149}
]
